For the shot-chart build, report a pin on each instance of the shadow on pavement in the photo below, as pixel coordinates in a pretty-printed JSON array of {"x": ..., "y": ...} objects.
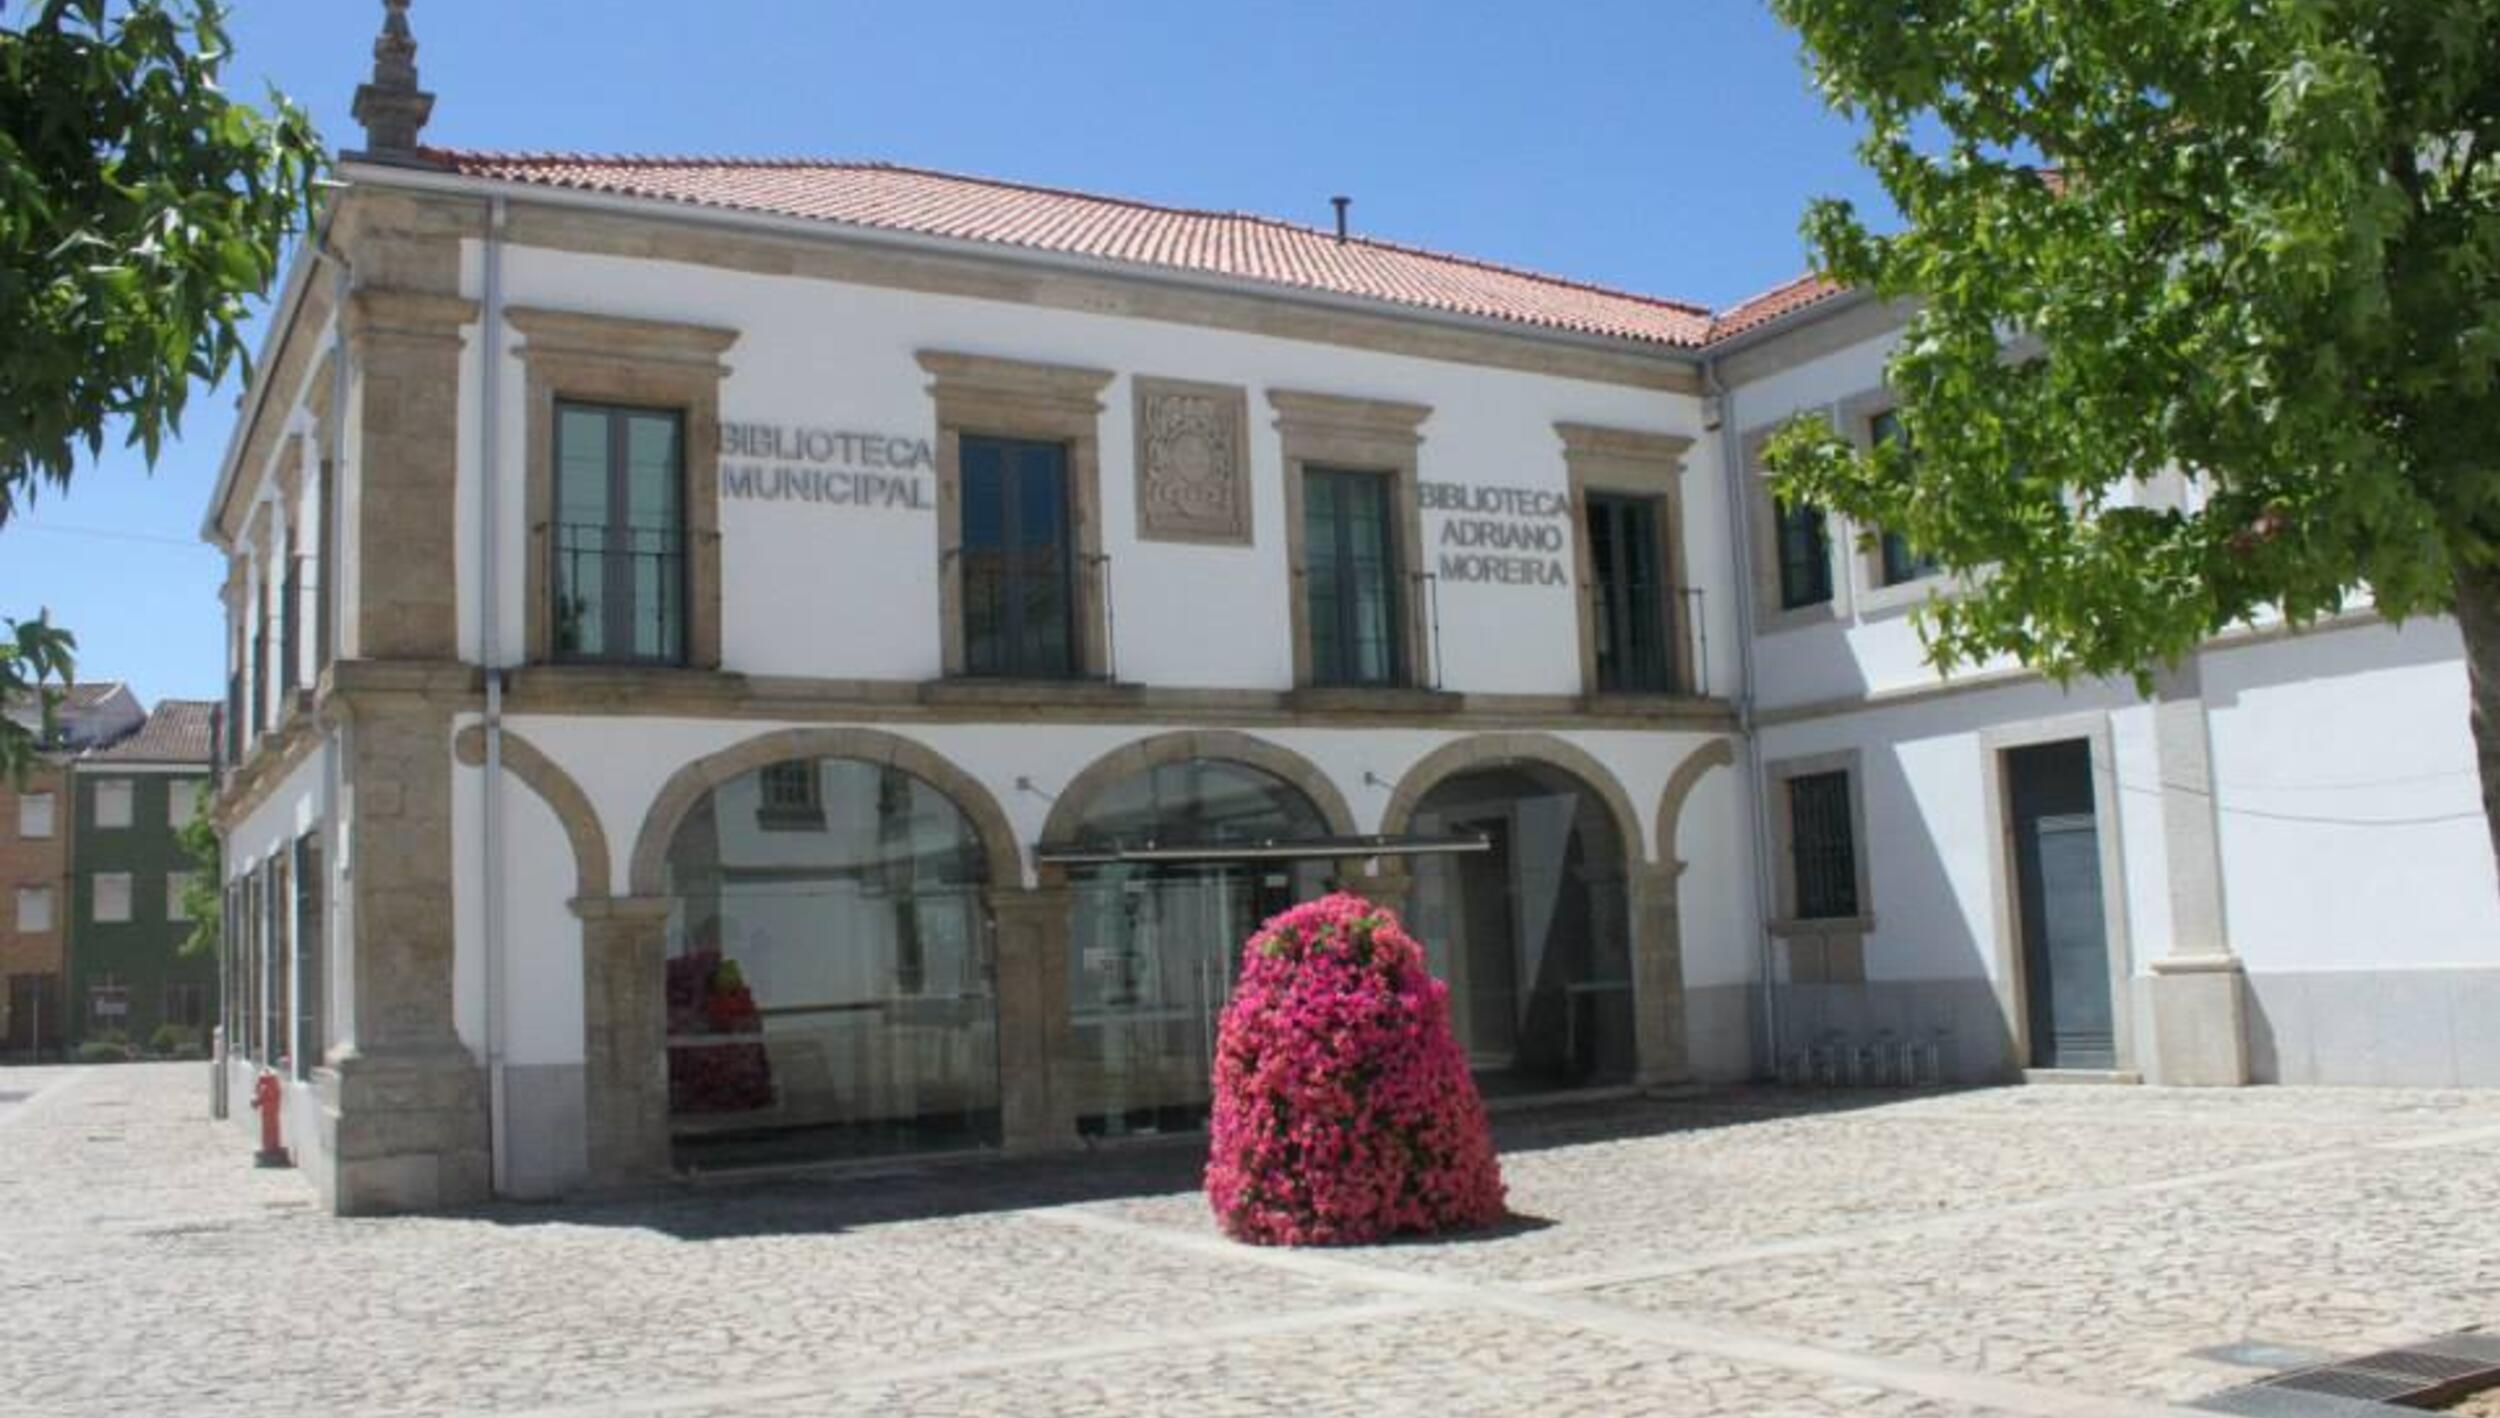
[{"x": 837, "y": 1197}]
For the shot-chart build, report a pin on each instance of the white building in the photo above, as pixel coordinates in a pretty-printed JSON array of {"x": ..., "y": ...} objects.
[{"x": 746, "y": 660}]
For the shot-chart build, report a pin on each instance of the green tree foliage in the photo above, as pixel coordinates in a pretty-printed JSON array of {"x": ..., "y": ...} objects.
[
  {"x": 141, "y": 210},
  {"x": 2254, "y": 241},
  {"x": 201, "y": 899}
]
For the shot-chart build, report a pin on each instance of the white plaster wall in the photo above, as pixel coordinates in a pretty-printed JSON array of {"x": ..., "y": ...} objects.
[
  {"x": 290, "y": 810},
  {"x": 2352, "y": 828},
  {"x": 1864, "y": 647},
  {"x": 1930, "y": 821},
  {"x": 542, "y": 939},
  {"x": 817, "y": 590}
]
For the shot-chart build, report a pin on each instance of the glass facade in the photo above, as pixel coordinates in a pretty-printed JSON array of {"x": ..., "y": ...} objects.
[
  {"x": 1532, "y": 934},
  {"x": 1156, "y": 945},
  {"x": 1351, "y": 566},
  {"x": 619, "y": 539},
  {"x": 830, "y": 979},
  {"x": 1019, "y": 559}
]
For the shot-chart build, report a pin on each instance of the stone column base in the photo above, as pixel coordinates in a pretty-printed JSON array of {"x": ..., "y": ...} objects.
[
  {"x": 404, "y": 1130},
  {"x": 2200, "y": 1021}
]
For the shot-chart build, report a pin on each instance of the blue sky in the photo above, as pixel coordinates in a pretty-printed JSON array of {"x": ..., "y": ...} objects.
[{"x": 1665, "y": 146}]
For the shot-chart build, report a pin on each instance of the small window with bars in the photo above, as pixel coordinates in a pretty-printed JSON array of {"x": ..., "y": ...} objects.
[{"x": 1823, "y": 846}]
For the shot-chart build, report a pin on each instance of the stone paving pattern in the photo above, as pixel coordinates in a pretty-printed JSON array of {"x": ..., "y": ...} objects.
[{"x": 2042, "y": 1251}]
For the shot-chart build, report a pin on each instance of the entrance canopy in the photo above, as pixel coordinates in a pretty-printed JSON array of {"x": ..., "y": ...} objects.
[{"x": 1271, "y": 849}]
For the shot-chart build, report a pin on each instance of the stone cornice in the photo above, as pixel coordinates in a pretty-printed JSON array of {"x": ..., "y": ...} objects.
[
  {"x": 580, "y": 334},
  {"x": 1586, "y": 440}
]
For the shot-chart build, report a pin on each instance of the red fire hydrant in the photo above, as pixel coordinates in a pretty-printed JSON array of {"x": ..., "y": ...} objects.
[{"x": 267, "y": 1096}]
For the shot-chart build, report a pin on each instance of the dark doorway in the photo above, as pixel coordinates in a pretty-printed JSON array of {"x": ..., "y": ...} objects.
[
  {"x": 34, "y": 1016},
  {"x": 2057, "y": 879}
]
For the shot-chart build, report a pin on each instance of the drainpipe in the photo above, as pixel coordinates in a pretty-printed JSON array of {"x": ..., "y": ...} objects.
[
  {"x": 1739, "y": 500},
  {"x": 490, "y": 655}
]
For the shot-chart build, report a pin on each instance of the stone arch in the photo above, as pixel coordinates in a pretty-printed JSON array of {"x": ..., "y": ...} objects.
[
  {"x": 557, "y": 789},
  {"x": 1718, "y": 753},
  {"x": 1125, "y": 762},
  {"x": 687, "y": 786},
  {"x": 1498, "y": 750}
]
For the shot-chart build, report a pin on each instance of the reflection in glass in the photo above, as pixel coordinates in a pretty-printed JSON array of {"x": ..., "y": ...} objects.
[
  {"x": 1533, "y": 934},
  {"x": 829, "y": 978},
  {"x": 1156, "y": 945}
]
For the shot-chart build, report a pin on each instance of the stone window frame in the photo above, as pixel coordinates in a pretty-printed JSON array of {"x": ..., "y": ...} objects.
[
  {"x": 2011, "y": 976},
  {"x": 622, "y": 361},
  {"x": 1770, "y": 617},
  {"x": 1234, "y": 400},
  {"x": 1636, "y": 463},
  {"x": 1856, "y": 417},
  {"x": 1358, "y": 435},
  {"x": 989, "y": 396},
  {"x": 1829, "y": 950}
]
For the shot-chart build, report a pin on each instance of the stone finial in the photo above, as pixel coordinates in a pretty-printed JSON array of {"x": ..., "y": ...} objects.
[{"x": 391, "y": 107}]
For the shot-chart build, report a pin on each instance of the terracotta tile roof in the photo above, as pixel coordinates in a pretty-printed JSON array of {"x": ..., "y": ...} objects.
[
  {"x": 1783, "y": 299},
  {"x": 1229, "y": 244},
  {"x": 177, "y": 731}
]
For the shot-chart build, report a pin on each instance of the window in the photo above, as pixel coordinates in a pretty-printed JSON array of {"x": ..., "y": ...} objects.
[
  {"x": 324, "y": 560},
  {"x": 1629, "y": 599},
  {"x": 290, "y": 627},
  {"x": 619, "y": 539},
  {"x": 1351, "y": 577},
  {"x": 312, "y": 1015},
  {"x": 1823, "y": 844},
  {"x": 182, "y": 802},
  {"x": 186, "y": 1004},
  {"x": 1805, "y": 555},
  {"x": 176, "y": 883},
  {"x": 1896, "y": 562},
  {"x": 34, "y": 815},
  {"x": 792, "y": 797},
  {"x": 112, "y": 802},
  {"x": 112, "y": 897},
  {"x": 34, "y": 909},
  {"x": 1019, "y": 559}
]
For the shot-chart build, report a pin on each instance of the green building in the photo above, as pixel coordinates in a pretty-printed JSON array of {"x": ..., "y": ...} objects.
[{"x": 128, "y": 977}]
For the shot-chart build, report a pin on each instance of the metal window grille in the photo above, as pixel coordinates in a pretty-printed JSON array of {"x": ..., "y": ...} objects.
[{"x": 1822, "y": 839}]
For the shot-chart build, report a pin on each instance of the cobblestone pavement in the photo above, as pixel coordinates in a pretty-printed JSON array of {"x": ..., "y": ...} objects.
[{"x": 2042, "y": 1251}]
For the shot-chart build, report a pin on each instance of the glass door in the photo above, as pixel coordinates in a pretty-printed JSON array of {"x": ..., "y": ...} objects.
[{"x": 1155, "y": 952}]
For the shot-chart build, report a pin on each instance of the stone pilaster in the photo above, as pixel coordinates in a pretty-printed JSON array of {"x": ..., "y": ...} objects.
[
  {"x": 1032, "y": 954},
  {"x": 625, "y": 1035},
  {"x": 2200, "y": 1009},
  {"x": 403, "y": 1099},
  {"x": 1658, "y": 1030},
  {"x": 407, "y": 347}
]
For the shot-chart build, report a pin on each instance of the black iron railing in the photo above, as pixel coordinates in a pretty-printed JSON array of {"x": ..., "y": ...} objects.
[{"x": 620, "y": 593}]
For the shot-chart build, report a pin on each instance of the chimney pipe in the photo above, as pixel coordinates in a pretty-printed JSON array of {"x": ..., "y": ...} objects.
[{"x": 1340, "y": 203}]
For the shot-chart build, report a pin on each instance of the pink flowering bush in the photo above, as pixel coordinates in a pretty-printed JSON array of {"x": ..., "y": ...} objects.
[{"x": 1344, "y": 1111}]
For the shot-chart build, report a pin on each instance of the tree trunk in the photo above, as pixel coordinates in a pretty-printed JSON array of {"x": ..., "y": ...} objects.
[{"x": 2478, "y": 615}]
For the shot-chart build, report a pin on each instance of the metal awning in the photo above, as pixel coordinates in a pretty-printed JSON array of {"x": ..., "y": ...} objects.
[{"x": 1261, "y": 849}]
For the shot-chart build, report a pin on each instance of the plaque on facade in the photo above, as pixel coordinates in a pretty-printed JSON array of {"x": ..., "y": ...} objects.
[{"x": 1193, "y": 462}]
